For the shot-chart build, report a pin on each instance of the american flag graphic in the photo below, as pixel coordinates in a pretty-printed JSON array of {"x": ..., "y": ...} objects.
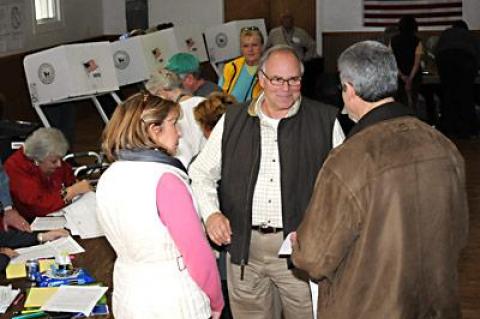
[{"x": 382, "y": 13}]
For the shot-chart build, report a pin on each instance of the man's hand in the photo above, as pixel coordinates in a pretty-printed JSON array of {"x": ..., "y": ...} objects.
[
  {"x": 293, "y": 238},
  {"x": 11, "y": 218},
  {"x": 218, "y": 229}
]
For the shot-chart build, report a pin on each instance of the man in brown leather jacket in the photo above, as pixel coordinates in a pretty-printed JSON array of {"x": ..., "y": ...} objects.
[{"x": 388, "y": 215}]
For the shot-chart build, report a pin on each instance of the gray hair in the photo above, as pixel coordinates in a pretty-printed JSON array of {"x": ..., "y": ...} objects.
[
  {"x": 163, "y": 79},
  {"x": 371, "y": 69},
  {"x": 44, "y": 142},
  {"x": 279, "y": 48}
]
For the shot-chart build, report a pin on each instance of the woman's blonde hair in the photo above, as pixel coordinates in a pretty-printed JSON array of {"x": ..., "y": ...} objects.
[
  {"x": 208, "y": 112},
  {"x": 128, "y": 127}
]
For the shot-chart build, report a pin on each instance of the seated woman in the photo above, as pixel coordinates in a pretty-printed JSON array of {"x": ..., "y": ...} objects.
[
  {"x": 20, "y": 234},
  {"x": 164, "y": 267},
  {"x": 40, "y": 182}
]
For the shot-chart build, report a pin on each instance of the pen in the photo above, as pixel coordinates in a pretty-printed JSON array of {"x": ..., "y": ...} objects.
[
  {"x": 17, "y": 300},
  {"x": 31, "y": 315},
  {"x": 31, "y": 310}
]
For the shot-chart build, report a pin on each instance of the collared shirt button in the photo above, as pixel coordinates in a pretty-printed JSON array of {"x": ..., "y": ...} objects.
[
  {"x": 269, "y": 201},
  {"x": 271, "y": 179},
  {"x": 274, "y": 160}
]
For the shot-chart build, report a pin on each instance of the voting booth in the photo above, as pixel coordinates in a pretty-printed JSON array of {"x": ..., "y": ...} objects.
[
  {"x": 223, "y": 41},
  {"x": 136, "y": 58},
  {"x": 69, "y": 72}
]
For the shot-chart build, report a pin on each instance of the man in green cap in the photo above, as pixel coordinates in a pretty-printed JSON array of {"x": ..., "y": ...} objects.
[{"x": 187, "y": 67}]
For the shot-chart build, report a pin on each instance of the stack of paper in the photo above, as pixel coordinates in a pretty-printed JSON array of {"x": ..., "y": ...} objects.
[
  {"x": 7, "y": 295},
  {"x": 48, "y": 223},
  {"x": 74, "y": 299},
  {"x": 64, "y": 245},
  {"x": 81, "y": 217}
]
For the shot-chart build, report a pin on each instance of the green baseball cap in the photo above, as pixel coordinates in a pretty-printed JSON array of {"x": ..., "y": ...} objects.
[{"x": 182, "y": 63}]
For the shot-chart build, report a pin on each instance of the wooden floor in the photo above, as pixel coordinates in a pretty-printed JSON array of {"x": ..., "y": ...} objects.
[
  {"x": 469, "y": 265},
  {"x": 88, "y": 138}
]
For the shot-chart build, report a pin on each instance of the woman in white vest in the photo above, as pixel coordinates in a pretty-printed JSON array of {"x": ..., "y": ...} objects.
[{"x": 164, "y": 266}]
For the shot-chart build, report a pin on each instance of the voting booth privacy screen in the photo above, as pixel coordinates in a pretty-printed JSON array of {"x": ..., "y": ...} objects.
[
  {"x": 223, "y": 41},
  {"x": 136, "y": 58},
  {"x": 69, "y": 71}
]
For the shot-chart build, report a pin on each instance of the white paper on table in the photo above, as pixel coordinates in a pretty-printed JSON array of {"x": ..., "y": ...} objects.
[
  {"x": 7, "y": 296},
  {"x": 48, "y": 223},
  {"x": 48, "y": 250},
  {"x": 81, "y": 217},
  {"x": 58, "y": 213},
  {"x": 75, "y": 299},
  {"x": 286, "y": 248},
  {"x": 71, "y": 226}
]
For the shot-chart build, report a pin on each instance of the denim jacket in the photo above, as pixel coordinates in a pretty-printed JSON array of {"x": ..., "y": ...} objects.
[{"x": 5, "y": 199}]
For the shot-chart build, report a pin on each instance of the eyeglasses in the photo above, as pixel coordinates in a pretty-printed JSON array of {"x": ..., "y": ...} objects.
[
  {"x": 251, "y": 28},
  {"x": 278, "y": 81}
]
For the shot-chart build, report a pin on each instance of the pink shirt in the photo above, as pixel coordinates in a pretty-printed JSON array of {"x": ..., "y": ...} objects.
[{"x": 178, "y": 214}]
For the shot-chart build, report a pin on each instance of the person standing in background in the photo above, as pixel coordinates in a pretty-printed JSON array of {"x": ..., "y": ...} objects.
[
  {"x": 168, "y": 85},
  {"x": 458, "y": 61},
  {"x": 187, "y": 67},
  {"x": 293, "y": 36},
  {"x": 408, "y": 51}
]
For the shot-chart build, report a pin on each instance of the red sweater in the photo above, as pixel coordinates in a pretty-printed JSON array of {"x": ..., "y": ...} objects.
[{"x": 33, "y": 193}]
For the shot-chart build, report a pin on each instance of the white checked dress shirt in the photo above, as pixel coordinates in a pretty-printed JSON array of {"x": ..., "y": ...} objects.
[{"x": 205, "y": 171}]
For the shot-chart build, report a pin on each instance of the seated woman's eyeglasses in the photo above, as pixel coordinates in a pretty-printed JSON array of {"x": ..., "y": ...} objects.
[{"x": 278, "y": 81}]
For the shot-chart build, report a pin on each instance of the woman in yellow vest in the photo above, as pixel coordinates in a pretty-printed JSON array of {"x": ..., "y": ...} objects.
[{"x": 240, "y": 75}]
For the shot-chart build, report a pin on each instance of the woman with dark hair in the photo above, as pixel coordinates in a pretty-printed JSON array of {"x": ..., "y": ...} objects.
[
  {"x": 164, "y": 267},
  {"x": 408, "y": 51}
]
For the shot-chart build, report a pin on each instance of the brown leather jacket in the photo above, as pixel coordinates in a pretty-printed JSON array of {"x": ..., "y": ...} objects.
[{"x": 386, "y": 222}]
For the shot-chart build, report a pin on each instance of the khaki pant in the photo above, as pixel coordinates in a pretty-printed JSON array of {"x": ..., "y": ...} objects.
[{"x": 253, "y": 297}]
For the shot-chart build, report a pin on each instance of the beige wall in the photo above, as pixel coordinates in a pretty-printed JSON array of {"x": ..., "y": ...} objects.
[{"x": 82, "y": 19}]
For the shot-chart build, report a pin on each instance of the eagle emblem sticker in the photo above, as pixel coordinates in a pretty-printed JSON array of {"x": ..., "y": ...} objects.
[
  {"x": 121, "y": 59},
  {"x": 221, "y": 40},
  {"x": 46, "y": 73}
]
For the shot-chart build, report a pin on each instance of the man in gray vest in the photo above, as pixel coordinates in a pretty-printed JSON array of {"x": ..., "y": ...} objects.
[{"x": 266, "y": 153}]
